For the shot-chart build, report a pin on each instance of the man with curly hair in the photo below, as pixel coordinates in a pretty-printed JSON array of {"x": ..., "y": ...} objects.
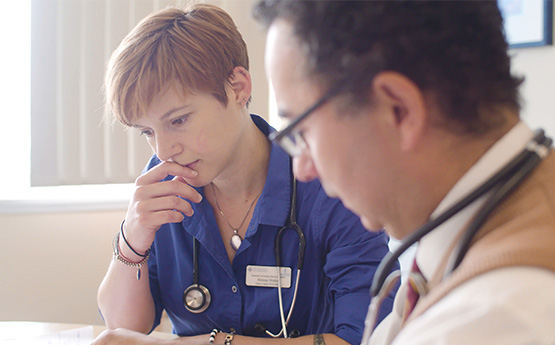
[{"x": 401, "y": 109}]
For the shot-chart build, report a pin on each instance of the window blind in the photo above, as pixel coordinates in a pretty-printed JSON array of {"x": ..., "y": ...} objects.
[{"x": 71, "y": 42}]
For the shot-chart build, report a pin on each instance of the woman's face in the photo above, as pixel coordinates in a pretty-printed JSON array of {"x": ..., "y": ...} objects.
[{"x": 193, "y": 130}]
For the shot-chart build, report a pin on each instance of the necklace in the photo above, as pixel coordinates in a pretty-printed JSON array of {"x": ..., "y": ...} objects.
[{"x": 235, "y": 240}]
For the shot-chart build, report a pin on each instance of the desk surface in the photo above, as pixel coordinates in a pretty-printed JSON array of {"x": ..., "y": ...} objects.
[{"x": 22, "y": 330}]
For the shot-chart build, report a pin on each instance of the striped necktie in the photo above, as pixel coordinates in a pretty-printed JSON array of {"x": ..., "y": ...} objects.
[{"x": 416, "y": 287}]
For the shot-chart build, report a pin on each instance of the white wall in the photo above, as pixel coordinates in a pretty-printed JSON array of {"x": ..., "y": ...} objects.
[
  {"x": 53, "y": 263},
  {"x": 538, "y": 90}
]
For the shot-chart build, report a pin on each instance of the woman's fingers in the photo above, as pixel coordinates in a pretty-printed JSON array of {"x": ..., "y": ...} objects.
[
  {"x": 156, "y": 202},
  {"x": 162, "y": 170},
  {"x": 167, "y": 188},
  {"x": 154, "y": 220},
  {"x": 165, "y": 203}
]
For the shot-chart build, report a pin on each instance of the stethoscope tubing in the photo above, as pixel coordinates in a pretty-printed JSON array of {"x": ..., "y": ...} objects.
[
  {"x": 290, "y": 224},
  {"x": 196, "y": 289},
  {"x": 285, "y": 322},
  {"x": 389, "y": 260},
  {"x": 496, "y": 198},
  {"x": 376, "y": 302},
  {"x": 505, "y": 182}
]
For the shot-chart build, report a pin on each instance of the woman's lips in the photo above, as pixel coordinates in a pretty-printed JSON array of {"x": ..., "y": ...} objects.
[{"x": 192, "y": 165}]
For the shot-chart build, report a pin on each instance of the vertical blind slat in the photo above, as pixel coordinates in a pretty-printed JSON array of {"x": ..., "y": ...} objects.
[
  {"x": 117, "y": 25},
  {"x": 69, "y": 92},
  {"x": 92, "y": 169},
  {"x": 137, "y": 145},
  {"x": 43, "y": 91}
]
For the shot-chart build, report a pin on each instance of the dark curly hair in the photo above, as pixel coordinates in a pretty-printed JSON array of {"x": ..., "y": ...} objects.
[{"x": 453, "y": 50}]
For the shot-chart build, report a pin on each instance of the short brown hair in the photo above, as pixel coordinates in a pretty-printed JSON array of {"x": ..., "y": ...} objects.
[{"x": 197, "y": 48}]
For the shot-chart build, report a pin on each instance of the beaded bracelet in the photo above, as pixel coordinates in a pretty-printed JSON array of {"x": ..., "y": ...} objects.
[
  {"x": 213, "y": 335},
  {"x": 118, "y": 256}
]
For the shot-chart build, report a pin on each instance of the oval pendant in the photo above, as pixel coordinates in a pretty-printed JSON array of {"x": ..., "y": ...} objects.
[{"x": 235, "y": 241}]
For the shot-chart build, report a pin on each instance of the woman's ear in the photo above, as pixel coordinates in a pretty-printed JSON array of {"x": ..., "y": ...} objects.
[
  {"x": 240, "y": 82},
  {"x": 406, "y": 104}
]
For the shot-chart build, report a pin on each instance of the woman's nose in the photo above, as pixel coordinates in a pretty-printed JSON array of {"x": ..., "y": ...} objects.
[
  {"x": 303, "y": 167},
  {"x": 165, "y": 149}
]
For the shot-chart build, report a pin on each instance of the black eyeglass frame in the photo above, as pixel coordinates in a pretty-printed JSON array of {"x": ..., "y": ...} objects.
[{"x": 280, "y": 135}]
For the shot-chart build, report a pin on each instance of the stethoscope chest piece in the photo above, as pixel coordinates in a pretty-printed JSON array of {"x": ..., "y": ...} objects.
[{"x": 196, "y": 298}]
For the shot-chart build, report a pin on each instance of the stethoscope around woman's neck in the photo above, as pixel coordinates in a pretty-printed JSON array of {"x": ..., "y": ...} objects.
[
  {"x": 197, "y": 298},
  {"x": 501, "y": 185},
  {"x": 290, "y": 224}
]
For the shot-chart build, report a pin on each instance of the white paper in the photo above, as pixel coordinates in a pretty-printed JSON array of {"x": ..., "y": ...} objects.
[{"x": 77, "y": 336}]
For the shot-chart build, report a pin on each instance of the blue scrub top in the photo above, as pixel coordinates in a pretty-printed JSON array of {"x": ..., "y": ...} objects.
[{"x": 340, "y": 261}]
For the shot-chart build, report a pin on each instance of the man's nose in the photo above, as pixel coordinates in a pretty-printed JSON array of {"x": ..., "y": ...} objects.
[{"x": 303, "y": 167}]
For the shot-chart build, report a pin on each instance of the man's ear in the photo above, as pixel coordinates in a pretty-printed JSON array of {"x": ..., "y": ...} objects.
[
  {"x": 406, "y": 103},
  {"x": 240, "y": 82}
]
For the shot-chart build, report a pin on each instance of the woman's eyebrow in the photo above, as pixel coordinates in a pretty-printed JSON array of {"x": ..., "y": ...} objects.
[{"x": 171, "y": 111}]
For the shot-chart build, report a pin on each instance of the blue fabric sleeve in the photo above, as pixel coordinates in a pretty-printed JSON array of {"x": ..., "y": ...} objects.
[
  {"x": 155, "y": 287},
  {"x": 354, "y": 254},
  {"x": 349, "y": 323}
]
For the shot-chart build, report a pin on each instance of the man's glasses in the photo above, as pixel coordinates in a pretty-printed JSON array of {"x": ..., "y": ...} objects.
[{"x": 292, "y": 141}]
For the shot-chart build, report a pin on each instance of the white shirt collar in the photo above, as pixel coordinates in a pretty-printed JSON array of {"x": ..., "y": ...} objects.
[{"x": 434, "y": 246}]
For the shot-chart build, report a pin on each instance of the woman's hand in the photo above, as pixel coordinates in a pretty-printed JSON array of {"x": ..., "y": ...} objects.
[{"x": 155, "y": 203}]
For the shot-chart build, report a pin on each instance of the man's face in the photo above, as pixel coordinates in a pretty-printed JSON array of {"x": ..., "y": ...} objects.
[{"x": 344, "y": 150}]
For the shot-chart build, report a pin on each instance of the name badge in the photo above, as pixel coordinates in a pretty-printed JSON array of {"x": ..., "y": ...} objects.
[{"x": 266, "y": 276}]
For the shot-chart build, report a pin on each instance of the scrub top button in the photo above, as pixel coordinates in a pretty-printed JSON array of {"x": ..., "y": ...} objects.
[{"x": 234, "y": 289}]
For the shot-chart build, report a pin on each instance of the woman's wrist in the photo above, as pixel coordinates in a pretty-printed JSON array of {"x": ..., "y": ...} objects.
[
  {"x": 228, "y": 338},
  {"x": 126, "y": 251},
  {"x": 120, "y": 257},
  {"x": 218, "y": 337},
  {"x": 126, "y": 245}
]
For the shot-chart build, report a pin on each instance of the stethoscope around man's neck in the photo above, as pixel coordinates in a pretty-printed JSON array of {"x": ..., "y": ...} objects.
[
  {"x": 501, "y": 185},
  {"x": 197, "y": 298}
]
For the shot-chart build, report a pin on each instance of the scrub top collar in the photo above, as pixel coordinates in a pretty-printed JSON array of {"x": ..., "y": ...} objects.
[
  {"x": 273, "y": 204},
  {"x": 275, "y": 201}
]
